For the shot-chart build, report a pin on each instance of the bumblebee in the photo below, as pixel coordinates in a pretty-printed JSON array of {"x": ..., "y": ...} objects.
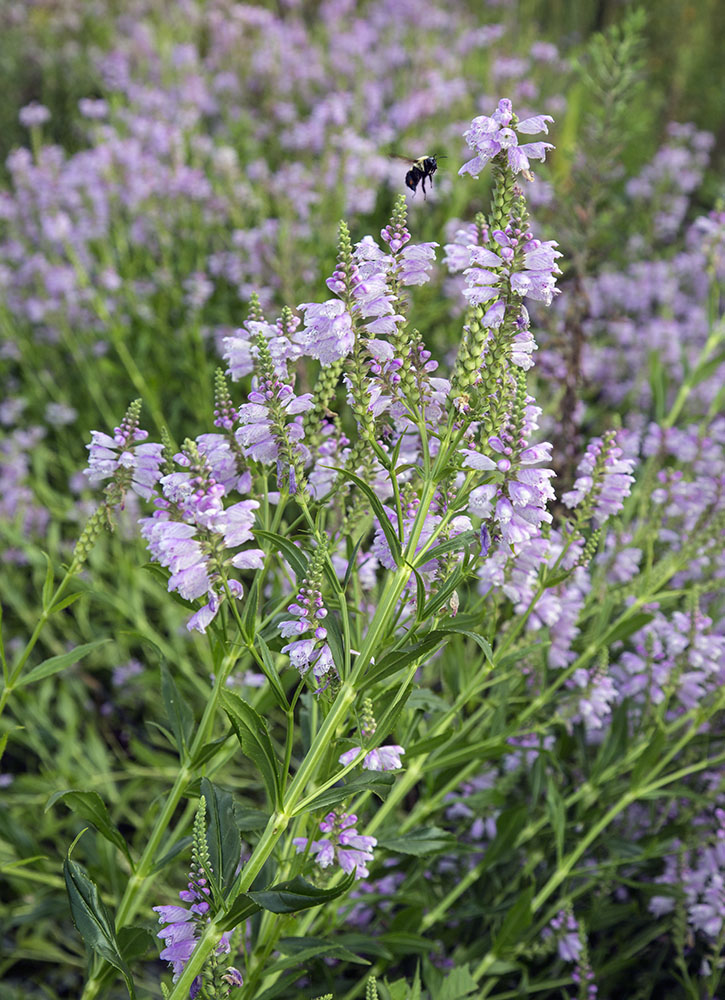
[{"x": 421, "y": 170}]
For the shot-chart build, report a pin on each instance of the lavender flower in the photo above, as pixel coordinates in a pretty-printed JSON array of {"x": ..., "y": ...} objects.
[
  {"x": 312, "y": 650},
  {"x": 33, "y": 115},
  {"x": 123, "y": 459},
  {"x": 184, "y": 924},
  {"x": 604, "y": 480},
  {"x": 500, "y": 133},
  {"x": 531, "y": 274},
  {"x": 343, "y": 845},
  {"x": 190, "y": 532},
  {"x": 385, "y": 758},
  {"x": 327, "y": 335}
]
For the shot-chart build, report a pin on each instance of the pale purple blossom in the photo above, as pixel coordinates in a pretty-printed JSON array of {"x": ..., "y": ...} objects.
[
  {"x": 343, "y": 844},
  {"x": 385, "y": 758},
  {"x": 604, "y": 480},
  {"x": 489, "y": 136}
]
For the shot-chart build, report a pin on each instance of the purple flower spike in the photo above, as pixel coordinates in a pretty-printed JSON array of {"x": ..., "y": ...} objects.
[
  {"x": 352, "y": 851},
  {"x": 489, "y": 136}
]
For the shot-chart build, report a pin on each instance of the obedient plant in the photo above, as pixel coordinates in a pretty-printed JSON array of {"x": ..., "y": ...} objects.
[{"x": 450, "y": 700}]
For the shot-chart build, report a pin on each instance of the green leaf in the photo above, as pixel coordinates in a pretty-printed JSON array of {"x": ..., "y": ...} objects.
[
  {"x": 249, "y": 618},
  {"x": 378, "y": 510},
  {"x": 420, "y": 597},
  {"x": 56, "y": 663},
  {"x": 295, "y": 945},
  {"x": 91, "y": 807},
  {"x": 450, "y": 545},
  {"x": 482, "y": 750},
  {"x": 399, "y": 990},
  {"x": 707, "y": 368},
  {"x": 210, "y": 749},
  {"x": 379, "y": 782},
  {"x": 2, "y": 645},
  {"x": 427, "y": 701},
  {"x": 65, "y": 602},
  {"x": 516, "y": 921},
  {"x": 251, "y": 730},
  {"x": 178, "y": 711},
  {"x": 336, "y": 643},
  {"x": 426, "y": 745},
  {"x": 134, "y": 942},
  {"x": 554, "y": 579},
  {"x": 427, "y": 840},
  {"x": 180, "y": 847},
  {"x": 628, "y": 627},
  {"x": 241, "y": 909},
  {"x": 658, "y": 384},
  {"x": 351, "y": 563},
  {"x": 389, "y": 719},
  {"x": 415, "y": 991},
  {"x": 508, "y": 826},
  {"x": 284, "y": 987},
  {"x": 308, "y": 948},
  {"x": 482, "y": 643},
  {"x": 557, "y": 815},
  {"x": 93, "y": 921},
  {"x": 293, "y": 555},
  {"x": 222, "y": 835},
  {"x": 393, "y": 662},
  {"x": 249, "y": 819},
  {"x": 458, "y": 983},
  {"x": 48, "y": 583},
  {"x": 441, "y": 596},
  {"x": 298, "y": 894},
  {"x": 271, "y": 673},
  {"x": 615, "y": 745},
  {"x": 649, "y": 758}
]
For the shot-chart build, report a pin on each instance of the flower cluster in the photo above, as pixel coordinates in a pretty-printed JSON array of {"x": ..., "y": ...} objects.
[
  {"x": 183, "y": 925},
  {"x": 604, "y": 480},
  {"x": 124, "y": 459},
  {"x": 342, "y": 845},
  {"x": 309, "y": 647},
  {"x": 385, "y": 758},
  {"x": 489, "y": 136},
  {"x": 191, "y": 531}
]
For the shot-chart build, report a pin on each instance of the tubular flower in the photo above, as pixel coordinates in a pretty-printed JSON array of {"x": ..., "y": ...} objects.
[
  {"x": 124, "y": 459},
  {"x": 381, "y": 759},
  {"x": 190, "y": 532},
  {"x": 604, "y": 480},
  {"x": 500, "y": 133},
  {"x": 343, "y": 844}
]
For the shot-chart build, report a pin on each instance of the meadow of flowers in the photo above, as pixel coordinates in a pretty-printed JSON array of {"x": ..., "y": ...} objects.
[{"x": 363, "y": 549}]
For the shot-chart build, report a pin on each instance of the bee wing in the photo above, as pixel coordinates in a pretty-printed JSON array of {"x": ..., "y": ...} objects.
[{"x": 405, "y": 159}]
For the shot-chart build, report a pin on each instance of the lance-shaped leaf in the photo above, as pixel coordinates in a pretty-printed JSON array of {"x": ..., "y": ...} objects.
[
  {"x": 379, "y": 782},
  {"x": 57, "y": 663},
  {"x": 394, "y": 543},
  {"x": 428, "y": 840},
  {"x": 298, "y": 894},
  {"x": 91, "y": 807},
  {"x": 178, "y": 711},
  {"x": 294, "y": 556},
  {"x": 251, "y": 730},
  {"x": 242, "y": 908},
  {"x": 93, "y": 921},
  {"x": 222, "y": 836}
]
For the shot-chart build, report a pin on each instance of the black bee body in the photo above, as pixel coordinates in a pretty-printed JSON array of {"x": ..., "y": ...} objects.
[{"x": 421, "y": 170}]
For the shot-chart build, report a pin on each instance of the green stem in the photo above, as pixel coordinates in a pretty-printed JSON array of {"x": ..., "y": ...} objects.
[
  {"x": 138, "y": 884},
  {"x": 325, "y": 736},
  {"x": 30, "y": 645}
]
